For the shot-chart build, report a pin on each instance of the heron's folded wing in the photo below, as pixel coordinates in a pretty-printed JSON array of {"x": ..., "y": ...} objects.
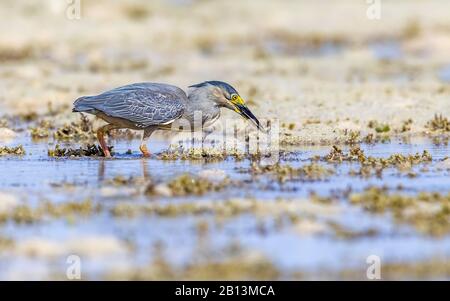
[{"x": 143, "y": 104}]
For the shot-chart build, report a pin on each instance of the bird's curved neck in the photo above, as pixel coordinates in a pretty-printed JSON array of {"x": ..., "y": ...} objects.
[
  {"x": 200, "y": 100},
  {"x": 201, "y": 103}
]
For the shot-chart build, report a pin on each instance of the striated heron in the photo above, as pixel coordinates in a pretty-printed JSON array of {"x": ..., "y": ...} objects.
[{"x": 152, "y": 106}]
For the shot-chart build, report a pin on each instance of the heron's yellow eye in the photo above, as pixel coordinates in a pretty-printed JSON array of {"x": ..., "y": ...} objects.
[{"x": 234, "y": 97}]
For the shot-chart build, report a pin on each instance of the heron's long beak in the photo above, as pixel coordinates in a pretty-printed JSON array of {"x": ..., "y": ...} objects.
[{"x": 245, "y": 112}]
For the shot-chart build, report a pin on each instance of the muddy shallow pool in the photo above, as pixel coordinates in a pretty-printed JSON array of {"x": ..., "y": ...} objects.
[{"x": 281, "y": 227}]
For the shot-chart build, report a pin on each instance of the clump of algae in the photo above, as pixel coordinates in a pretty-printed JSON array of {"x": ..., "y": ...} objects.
[
  {"x": 187, "y": 184},
  {"x": 286, "y": 172},
  {"x": 42, "y": 130},
  {"x": 15, "y": 151},
  {"x": 381, "y": 135},
  {"x": 342, "y": 232},
  {"x": 427, "y": 212},
  {"x": 352, "y": 137},
  {"x": 120, "y": 180},
  {"x": 379, "y": 127},
  {"x": 356, "y": 154},
  {"x": 82, "y": 130},
  {"x": 208, "y": 154},
  {"x": 136, "y": 12},
  {"x": 224, "y": 209},
  {"x": 90, "y": 150},
  {"x": 406, "y": 125},
  {"x": 438, "y": 123},
  {"x": 24, "y": 214}
]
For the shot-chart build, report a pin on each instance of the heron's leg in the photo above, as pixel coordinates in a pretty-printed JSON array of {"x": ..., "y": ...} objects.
[
  {"x": 101, "y": 137},
  {"x": 147, "y": 133},
  {"x": 205, "y": 133}
]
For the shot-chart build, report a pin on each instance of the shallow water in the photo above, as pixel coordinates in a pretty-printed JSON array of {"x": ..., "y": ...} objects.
[
  {"x": 389, "y": 50},
  {"x": 36, "y": 177},
  {"x": 444, "y": 74}
]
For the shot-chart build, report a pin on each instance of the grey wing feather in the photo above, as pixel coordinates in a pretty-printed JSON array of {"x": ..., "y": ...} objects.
[{"x": 145, "y": 104}]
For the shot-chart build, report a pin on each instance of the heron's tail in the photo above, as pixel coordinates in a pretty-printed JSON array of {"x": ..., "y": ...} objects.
[{"x": 82, "y": 105}]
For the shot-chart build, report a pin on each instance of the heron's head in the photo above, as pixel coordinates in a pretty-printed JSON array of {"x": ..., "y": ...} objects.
[{"x": 226, "y": 96}]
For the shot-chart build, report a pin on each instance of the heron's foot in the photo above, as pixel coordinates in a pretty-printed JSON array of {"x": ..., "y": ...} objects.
[
  {"x": 145, "y": 151},
  {"x": 106, "y": 152},
  {"x": 101, "y": 139}
]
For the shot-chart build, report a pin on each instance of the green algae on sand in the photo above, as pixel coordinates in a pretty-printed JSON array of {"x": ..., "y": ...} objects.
[
  {"x": 90, "y": 150},
  {"x": 187, "y": 184},
  {"x": 285, "y": 172},
  {"x": 14, "y": 151},
  {"x": 427, "y": 212}
]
